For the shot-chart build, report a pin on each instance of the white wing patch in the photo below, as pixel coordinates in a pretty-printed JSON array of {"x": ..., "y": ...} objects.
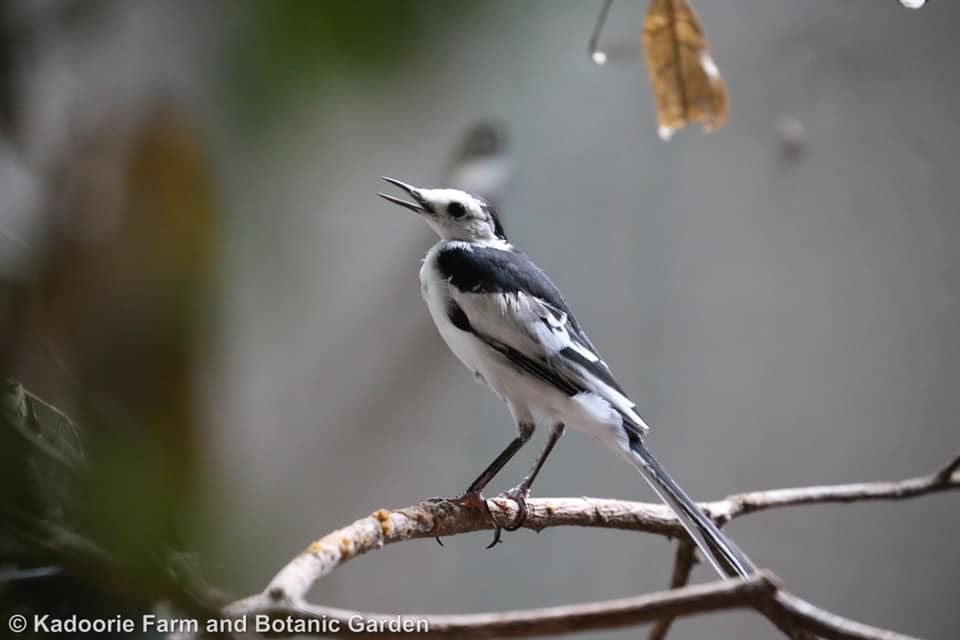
[{"x": 544, "y": 335}]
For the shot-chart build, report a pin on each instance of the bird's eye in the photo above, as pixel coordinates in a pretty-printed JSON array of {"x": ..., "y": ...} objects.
[{"x": 456, "y": 209}]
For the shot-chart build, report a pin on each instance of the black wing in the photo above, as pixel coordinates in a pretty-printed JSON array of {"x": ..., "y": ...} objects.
[{"x": 487, "y": 270}]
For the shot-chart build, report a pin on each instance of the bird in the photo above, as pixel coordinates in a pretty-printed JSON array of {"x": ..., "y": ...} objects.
[{"x": 508, "y": 323}]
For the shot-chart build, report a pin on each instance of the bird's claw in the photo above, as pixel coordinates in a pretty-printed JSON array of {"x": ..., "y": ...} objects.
[
  {"x": 518, "y": 494},
  {"x": 474, "y": 500}
]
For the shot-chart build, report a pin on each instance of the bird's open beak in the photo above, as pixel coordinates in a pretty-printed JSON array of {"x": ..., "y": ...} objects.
[{"x": 420, "y": 205}]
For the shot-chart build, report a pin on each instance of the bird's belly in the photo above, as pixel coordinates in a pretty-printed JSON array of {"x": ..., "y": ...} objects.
[
  {"x": 475, "y": 355},
  {"x": 466, "y": 346},
  {"x": 524, "y": 393},
  {"x": 514, "y": 386},
  {"x": 517, "y": 388},
  {"x": 488, "y": 366}
]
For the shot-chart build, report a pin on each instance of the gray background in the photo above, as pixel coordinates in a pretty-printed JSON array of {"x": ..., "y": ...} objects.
[{"x": 781, "y": 319}]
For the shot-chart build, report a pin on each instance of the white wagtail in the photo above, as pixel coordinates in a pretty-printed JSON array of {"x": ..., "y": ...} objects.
[{"x": 508, "y": 323}]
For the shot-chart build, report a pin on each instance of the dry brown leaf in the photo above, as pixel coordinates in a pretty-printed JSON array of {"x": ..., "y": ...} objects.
[{"x": 686, "y": 83}]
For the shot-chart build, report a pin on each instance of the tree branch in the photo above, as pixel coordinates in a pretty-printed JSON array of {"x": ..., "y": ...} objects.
[
  {"x": 943, "y": 476},
  {"x": 943, "y": 480},
  {"x": 285, "y": 595},
  {"x": 754, "y": 592},
  {"x": 682, "y": 568}
]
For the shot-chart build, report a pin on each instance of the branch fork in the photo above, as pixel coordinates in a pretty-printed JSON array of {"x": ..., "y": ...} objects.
[{"x": 285, "y": 596}]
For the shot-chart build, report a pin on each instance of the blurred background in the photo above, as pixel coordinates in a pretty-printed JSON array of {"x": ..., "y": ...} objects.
[{"x": 196, "y": 269}]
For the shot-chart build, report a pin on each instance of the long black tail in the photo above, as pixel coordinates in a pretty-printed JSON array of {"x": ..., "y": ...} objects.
[{"x": 718, "y": 549}]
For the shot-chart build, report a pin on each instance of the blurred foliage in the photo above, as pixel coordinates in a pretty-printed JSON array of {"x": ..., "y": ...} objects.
[
  {"x": 111, "y": 324},
  {"x": 124, "y": 309},
  {"x": 289, "y": 44}
]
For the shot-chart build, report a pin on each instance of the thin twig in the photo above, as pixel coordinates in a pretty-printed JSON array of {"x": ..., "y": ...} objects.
[
  {"x": 789, "y": 613},
  {"x": 757, "y": 591},
  {"x": 949, "y": 469},
  {"x": 682, "y": 568},
  {"x": 596, "y": 55},
  {"x": 744, "y": 503}
]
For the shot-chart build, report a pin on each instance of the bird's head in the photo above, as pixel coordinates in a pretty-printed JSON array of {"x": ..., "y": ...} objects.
[{"x": 453, "y": 214}]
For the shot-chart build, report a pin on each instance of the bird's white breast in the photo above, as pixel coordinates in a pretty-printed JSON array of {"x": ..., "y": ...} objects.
[{"x": 436, "y": 293}]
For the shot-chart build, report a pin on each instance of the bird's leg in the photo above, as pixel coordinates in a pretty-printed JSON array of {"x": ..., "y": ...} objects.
[
  {"x": 473, "y": 496},
  {"x": 521, "y": 492}
]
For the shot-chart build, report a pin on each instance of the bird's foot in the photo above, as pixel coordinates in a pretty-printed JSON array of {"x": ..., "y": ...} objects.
[
  {"x": 474, "y": 500},
  {"x": 518, "y": 494}
]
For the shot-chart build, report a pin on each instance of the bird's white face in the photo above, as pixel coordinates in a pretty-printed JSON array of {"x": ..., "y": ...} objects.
[{"x": 453, "y": 214}]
